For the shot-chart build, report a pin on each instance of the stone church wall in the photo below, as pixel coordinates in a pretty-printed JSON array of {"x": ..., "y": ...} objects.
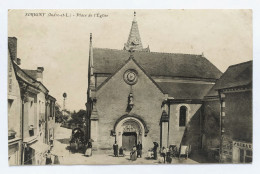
[
  {"x": 112, "y": 101},
  {"x": 189, "y": 134},
  {"x": 212, "y": 124}
]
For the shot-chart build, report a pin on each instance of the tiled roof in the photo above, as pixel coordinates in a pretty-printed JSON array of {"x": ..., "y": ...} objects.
[
  {"x": 212, "y": 92},
  {"x": 185, "y": 90},
  {"x": 32, "y": 73},
  {"x": 21, "y": 74},
  {"x": 156, "y": 64},
  {"x": 236, "y": 76}
]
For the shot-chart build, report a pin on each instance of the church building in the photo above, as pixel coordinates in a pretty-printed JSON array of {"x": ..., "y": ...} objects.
[{"x": 135, "y": 95}]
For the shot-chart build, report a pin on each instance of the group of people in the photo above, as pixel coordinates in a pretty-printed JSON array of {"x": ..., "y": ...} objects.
[
  {"x": 165, "y": 154},
  {"x": 48, "y": 157},
  {"x": 135, "y": 153}
]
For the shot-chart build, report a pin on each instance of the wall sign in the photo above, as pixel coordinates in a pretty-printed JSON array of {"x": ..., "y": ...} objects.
[{"x": 242, "y": 145}]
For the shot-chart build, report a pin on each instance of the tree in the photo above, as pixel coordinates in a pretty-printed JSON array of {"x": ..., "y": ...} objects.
[
  {"x": 77, "y": 117},
  {"x": 59, "y": 117}
]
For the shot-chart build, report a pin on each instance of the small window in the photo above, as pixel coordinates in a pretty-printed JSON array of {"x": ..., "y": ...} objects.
[
  {"x": 31, "y": 132},
  {"x": 249, "y": 153},
  {"x": 183, "y": 112},
  {"x": 248, "y": 157},
  {"x": 10, "y": 102}
]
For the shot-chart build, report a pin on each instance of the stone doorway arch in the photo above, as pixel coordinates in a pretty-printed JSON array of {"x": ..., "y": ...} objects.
[{"x": 129, "y": 130}]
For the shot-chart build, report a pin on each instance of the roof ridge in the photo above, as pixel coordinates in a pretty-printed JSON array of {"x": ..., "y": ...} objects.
[
  {"x": 241, "y": 63},
  {"x": 109, "y": 49},
  {"x": 156, "y": 52},
  {"x": 29, "y": 69},
  {"x": 176, "y": 53}
]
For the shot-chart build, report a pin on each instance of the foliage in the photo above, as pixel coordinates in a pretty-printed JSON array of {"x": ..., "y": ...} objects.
[
  {"x": 59, "y": 117},
  {"x": 77, "y": 117}
]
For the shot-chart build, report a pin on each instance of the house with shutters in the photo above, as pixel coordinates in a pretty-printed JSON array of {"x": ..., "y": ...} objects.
[{"x": 31, "y": 113}]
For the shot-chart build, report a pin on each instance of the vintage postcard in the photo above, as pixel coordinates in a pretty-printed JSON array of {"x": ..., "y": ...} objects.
[{"x": 129, "y": 87}]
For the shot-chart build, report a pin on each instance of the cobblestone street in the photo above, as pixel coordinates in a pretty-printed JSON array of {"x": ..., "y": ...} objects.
[{"x": 61, "y": 148}]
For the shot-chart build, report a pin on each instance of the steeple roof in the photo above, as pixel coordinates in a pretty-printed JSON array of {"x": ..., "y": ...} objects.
[{"x": 134, "y": 40}]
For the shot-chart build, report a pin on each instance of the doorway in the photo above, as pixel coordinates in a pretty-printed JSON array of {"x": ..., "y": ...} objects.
[{"x": 129, "y": 140}]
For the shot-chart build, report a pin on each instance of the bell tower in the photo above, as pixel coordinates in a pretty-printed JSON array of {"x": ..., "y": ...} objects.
[{"x": 134, "y": 40}]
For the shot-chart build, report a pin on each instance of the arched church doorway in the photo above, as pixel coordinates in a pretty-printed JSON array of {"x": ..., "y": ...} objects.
[
  {"x": 129, "y": 131},
  {"x": 129, "y": 139}
]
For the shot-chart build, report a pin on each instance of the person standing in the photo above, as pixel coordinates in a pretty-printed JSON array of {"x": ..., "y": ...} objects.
[
  {"x": 48, "y": 158},
  {"x": 56, "y": 160},
  {"x": 121, "y": 151},
  {"x": 139, "y": 149},
  {"x": 155, "y": 150},
  {"x": 133, "y": 154},
  {"x": 89, "y": 149},
  {"x": 115, "y": 148},
  {"x": 168, "y": 156},
  {"x": 164, "y": 151}
]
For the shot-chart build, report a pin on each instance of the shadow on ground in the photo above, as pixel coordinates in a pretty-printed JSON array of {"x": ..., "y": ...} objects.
[
  {"x": 73, "y": 150},
  {"x": 201, "y": 157},
  {"x": 64, "y": 140}
]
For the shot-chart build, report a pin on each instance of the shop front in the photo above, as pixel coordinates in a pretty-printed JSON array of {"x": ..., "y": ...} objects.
[
  {"x": 14, "y": 153},
  {"x": 34, "y": 153},
  {"x": 242, "y": 152},
  {"x": 39, "y": 151}
]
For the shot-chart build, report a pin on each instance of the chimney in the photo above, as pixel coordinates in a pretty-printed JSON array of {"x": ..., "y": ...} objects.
[
  {"x": 40, "y": 69},
  {"x": 18, "y": 61},
  {"x": 12, "y": 46},
  {"x": 40, "y": 74}
]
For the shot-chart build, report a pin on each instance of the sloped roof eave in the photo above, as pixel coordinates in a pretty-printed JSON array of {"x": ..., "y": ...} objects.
[
  {"x": 237, "y": 75},
  {"x": 43, "y": 88},
  {"x": 248, "y": 85}
]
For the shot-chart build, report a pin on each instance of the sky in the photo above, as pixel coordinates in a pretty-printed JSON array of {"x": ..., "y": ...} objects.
[{"x": 61, "y": 44}]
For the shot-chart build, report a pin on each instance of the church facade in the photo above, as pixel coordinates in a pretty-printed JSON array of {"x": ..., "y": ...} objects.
[{"x": 138, "y": 95}]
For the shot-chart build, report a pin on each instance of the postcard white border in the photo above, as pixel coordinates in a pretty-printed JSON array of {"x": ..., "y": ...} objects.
[{"x": 130, "y": 4}]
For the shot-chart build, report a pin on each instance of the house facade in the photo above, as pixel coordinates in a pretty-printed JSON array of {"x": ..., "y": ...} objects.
[
  {"x": 33, "y": 116},
  {"x": 235, "y": 92},
  {"x": 228, "y": 111},
  {"x": 14, "y": 112}
]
